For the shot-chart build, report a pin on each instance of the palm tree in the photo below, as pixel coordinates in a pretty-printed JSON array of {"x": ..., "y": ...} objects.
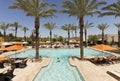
[
  {"x": 33, "y": 37},
  {"x": 4, "y": 27},
  {"x": 102, "y": 27},
  {"x": 50, "y": 27},
  {"x": 67, "y": 27},
  {"x": 16, "y": 25},
  {"x": 118, "y": 25},
  {"x": 25, "y": 29},
  {"x": 13, "y": 30},
  {"x": 38, "y": 9},
  {"x": 74, "y": 28},
  {"x": 113, "y": 10},
  {"x": 86, "y": 26},
  {"x": 81, "y": 8}
]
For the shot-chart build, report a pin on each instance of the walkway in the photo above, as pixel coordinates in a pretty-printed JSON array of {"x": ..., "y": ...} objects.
[
  {"x": 28, "y": 73},
  {"x": 92, "y": 72}
]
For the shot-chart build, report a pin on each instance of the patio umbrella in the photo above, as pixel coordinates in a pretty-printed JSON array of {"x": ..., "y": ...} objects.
[
  {"x": 57, "y": 42},
  {"x": 42, "y": 42},
  {"x": 73, "y": 42},
  {"x": 14, "y": 48},
  {"x": 3, "y": 58},
  {"x": 104, "y": 47}
]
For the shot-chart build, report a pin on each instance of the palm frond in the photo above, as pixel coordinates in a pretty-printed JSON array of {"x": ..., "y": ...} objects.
[
  {"x": 50, "y": 26},
  {"x": 112, "y": 9},
  {"x": 117, "y": 25},
  {"x": 103, "y": 26},
  {"x": 80, "y": 8},
  {"x": 88, "y": 25},
  {"x": 34, "y": 7}
]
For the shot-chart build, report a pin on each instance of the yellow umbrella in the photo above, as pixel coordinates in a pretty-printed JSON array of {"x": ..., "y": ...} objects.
[
  {"x": 57, "y": 42},
  {"x": 42, "y": 42}
]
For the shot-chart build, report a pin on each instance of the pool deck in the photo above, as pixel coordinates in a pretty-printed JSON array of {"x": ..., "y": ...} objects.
[
  {"x": 28, "y": 73},
  {"x": 92, "y": 72}
]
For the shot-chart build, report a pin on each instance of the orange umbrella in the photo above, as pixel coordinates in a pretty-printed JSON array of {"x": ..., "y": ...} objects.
[
  {"x": 3, "y": 58},
  {"x": 14, "y": 47},
  {"x": 104, "y": 47}
]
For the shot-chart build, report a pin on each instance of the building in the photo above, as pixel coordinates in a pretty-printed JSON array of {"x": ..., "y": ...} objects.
[{"x": 109, "y": 37}]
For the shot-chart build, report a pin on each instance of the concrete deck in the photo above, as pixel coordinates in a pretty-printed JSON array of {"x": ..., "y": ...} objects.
[
  {"x": 92, "y": 72},
  {"x": 28, "y": 73}
]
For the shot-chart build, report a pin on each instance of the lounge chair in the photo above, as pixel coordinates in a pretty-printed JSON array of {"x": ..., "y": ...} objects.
[
  {"x": 3, "y": 77},
  {"x": 1, "y": 65},
  {"x": 114, "y": 74},
  {"x": 23, "y": 64},
  {"x": 10, "y": 73}
]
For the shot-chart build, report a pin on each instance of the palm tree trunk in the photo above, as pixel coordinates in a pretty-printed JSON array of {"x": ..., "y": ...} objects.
[
  {"x": 72, "y": 33},
  {"x": 33, "y": 41},
  {"x": 15, "y": 32},
  {"x": 85, "y": 37},
  {"x": 37, "y": 37},
  {"x": 50, "y": 39},
  {"x": 4, "y": 35},
  {"x": 81, "y": 24},
  {"x": 25, "y": 35},
  {"x": 118, "y": 38},
  {"x": 75, "y": 33},
  {"x": 68, "y": 38},
  {"x": 102, "y": 37}
]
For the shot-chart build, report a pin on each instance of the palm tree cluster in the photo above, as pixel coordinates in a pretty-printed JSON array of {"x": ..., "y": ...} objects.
[
  {"x": 113, "y": 10},
  {"x": 38, "y": 9},
  {"x": 68, "y": 27},
  {"x": 102, "y": 27},
  {"x": 6, "y": 26},
  {"x": 76, "y": 8},
  {"x": 50, "y": 27},
  {"x": 81, "y": 8}
]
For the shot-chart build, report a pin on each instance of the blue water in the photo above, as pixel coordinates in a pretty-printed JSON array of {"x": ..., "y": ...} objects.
[
  {"x": 59, "y": 71},
  {"x": 63, "y": 53}
]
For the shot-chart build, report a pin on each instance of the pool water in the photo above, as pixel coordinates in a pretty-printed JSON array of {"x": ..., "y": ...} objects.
[
  {"x": 59, "y": 71},
  {"x": 60, "y": 53}
]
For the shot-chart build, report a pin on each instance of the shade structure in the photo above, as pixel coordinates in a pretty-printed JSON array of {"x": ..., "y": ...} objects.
[
  {"x": 17, "y": 43},
  {"x": 42, "y": 42},
  {"x": 6, "y": 43},
  {"x": 104, "y": 47},
  {"x": 57, "y": 42},
  {"x": 74, "y": 42},
  {"x": 14, "y": 48}
]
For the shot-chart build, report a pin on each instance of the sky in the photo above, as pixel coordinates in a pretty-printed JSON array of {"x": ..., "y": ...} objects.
[{"x": 14, "y": 15}]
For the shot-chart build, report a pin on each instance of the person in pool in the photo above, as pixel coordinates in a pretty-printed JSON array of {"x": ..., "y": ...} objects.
[{"x": 58, "y": 59}]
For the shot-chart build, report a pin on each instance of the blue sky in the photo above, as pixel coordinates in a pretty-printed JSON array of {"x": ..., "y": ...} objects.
[{"x": 13, "y": 15}]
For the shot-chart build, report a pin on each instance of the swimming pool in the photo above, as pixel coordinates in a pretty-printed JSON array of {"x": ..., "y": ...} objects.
[
  {"x": 59, "y": 71},
  {"x": 60, "y": 53}
]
